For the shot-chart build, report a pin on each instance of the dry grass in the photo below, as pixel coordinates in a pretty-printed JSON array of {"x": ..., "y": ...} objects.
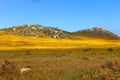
[
  {"x": 59, "y": 59},
  {"x": 62, "y": 64}
]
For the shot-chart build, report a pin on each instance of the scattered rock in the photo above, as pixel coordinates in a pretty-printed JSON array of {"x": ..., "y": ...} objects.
[
  {"x": 51, "y": 32},
  {"x": 38, "y": 31},
  {"x": 25, "y": 70},
  {"x": 14, "y": 29}
]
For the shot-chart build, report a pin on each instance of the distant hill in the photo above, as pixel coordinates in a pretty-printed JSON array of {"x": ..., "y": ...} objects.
[
  {"x": 38, "y": 31},
  {"x": 97, "y": 32},
  {"x": 51, "y": 32}
]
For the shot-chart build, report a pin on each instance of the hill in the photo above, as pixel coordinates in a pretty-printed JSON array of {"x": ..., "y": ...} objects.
[
  {"x": 51, "y": 32},
  {"x": 40, "y": 37},
  {"x": 97, "y": 32},
  {"x": 38, "y": 31}
]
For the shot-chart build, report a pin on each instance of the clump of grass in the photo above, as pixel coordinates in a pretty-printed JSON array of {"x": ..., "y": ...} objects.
[
  {"x": 109, "y": 49},
  {"x": 112, "y": 65},
  {"x": 110, "y": 69},
  {"x": 101, "y": 58},
  {"x": 74, "y": 75},
  {"x": 27, "y": 53},
  {"x": 87, "y": 49},
  {"x": 104, "y": 75},
  {"x": 93, "y": 53},
  {"x": 9, "y": 69},
  {"x": 70, "y": 52},
  {"x": 85, "y": 58}
]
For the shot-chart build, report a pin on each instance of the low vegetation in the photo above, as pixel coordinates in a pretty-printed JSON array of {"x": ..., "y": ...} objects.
[
  {"x": 60, "y": 64},
  {"x": 79, "y": 58}
]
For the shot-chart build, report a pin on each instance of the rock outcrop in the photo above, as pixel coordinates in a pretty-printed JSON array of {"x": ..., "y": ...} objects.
[
  {"x": 38, "y": 31},
  {"x": 97, "y": 32},
  {"x": 51, "y": 32}
]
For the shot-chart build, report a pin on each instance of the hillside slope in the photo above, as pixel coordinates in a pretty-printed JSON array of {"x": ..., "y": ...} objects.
[
  {"x": 16, "y": 42},
  {"x": 97, "y": 32},
  {"x": 38, "y": 31},
  {"x": 40, "y": 37},
  {"x": 51, "y": 32}
]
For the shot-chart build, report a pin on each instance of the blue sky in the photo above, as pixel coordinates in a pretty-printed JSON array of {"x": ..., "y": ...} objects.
[{"x": 70, "y": 15}]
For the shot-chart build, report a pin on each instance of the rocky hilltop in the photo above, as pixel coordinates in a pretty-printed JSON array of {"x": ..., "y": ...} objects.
[
  {"x": 38, "y": 31},
  {"x": 97, "y": 32}
]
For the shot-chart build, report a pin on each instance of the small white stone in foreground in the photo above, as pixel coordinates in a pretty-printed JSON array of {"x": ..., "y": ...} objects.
[{"x": 24, "y": 70}]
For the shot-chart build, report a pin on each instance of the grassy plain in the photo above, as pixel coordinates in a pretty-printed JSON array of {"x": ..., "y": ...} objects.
[{"x": 59, "y": 59}]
